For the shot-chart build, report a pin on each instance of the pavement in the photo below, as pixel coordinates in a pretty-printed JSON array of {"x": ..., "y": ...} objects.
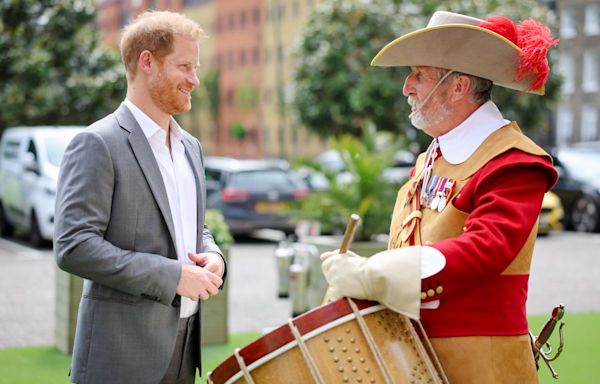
[{"x": 565, "y": 268}]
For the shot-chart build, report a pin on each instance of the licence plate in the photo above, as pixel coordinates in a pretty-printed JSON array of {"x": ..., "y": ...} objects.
[{"x": 270, "y": 207}]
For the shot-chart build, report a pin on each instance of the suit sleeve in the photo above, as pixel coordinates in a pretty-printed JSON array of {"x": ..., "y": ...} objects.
[{"x": 82, "y": 213}]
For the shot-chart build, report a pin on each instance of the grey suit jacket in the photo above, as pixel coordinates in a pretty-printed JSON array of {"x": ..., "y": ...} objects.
[{"x": 114, "y": 228}]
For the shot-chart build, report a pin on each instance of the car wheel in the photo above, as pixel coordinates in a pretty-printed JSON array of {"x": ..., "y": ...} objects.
[
  {"x": 6, "y": 229},
  {"x": 585, "y": 215},
  {"x": 35, "y": 236}
]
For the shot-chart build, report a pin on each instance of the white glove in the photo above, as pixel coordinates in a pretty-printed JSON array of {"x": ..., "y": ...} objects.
[{"x": 391, "y": 277}]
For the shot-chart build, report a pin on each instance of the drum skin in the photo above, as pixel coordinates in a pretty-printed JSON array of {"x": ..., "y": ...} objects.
[{"x": 338, "y": 348}]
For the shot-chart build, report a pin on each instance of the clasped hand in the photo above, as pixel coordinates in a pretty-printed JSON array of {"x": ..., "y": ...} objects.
[{"x": 201, "y": 281}]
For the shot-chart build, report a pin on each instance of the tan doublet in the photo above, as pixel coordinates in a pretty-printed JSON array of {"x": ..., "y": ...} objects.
[{"x": 468, "y": 359}]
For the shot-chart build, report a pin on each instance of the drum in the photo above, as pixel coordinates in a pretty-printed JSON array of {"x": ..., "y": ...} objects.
[{"x": 344, "y": 341}]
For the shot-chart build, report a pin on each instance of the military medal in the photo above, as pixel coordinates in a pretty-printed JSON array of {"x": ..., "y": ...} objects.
[
  {"x": 446, "y": 194},
  {"x": 442, "y": 203},
  {"x": 435, "y": 193},
  {"x": 431, "y": 190}
]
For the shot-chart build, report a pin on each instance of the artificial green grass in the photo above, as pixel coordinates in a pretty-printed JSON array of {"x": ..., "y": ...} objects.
[{"x": 579, "y": 363}]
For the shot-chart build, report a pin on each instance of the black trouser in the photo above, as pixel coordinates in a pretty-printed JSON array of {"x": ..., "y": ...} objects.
[{"x": 182, "y": 368}]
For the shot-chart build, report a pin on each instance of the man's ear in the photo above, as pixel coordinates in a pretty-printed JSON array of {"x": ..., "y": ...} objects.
[
  {"x": 145, "y": 62},
  {"x": 461, "y": 87}
]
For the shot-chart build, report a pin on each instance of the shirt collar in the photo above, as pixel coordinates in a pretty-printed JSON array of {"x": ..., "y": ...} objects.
[
  {"x": 461, "y": 142},
  {"x": 149, "y": 126}
]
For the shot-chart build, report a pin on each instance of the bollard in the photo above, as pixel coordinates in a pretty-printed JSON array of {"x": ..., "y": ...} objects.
[
  {"x": 284, "y": 254},
  {"x": 298, "y": 281}
]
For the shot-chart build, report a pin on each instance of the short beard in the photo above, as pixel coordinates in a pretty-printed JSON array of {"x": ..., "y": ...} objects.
[
  {"x": 161, "y": 93},
  {"x": 423, "y": 122}
]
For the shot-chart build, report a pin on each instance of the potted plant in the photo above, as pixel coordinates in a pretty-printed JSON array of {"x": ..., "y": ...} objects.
[
  {"x": 215, "y": 308},
  {"x": 360, "y": 188}
]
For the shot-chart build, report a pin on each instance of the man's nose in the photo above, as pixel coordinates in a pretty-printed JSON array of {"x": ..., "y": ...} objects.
[
  {"x": 408, "y": 88},
  {"x": 194, "y": 80}
]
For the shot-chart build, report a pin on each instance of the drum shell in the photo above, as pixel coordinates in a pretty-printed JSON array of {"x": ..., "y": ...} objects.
[{"x": 338, "y": 349}]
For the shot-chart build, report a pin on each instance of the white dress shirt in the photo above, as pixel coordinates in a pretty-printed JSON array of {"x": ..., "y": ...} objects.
[{"x": 180, "y": 184}]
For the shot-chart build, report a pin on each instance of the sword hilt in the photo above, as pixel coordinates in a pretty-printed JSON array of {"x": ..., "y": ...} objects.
[{"x": 538, "y": 343}]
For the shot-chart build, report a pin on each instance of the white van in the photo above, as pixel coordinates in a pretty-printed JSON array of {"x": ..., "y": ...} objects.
[{"x": 29, "y": 161}]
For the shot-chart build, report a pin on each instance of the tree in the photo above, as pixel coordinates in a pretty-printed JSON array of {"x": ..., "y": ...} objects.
[
  {"x": 52, "y": 70},
  {"x": 338, "y": 92}
]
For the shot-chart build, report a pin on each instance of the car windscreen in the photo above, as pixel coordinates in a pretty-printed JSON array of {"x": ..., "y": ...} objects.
[
  {"x": 264, "y": 180},
  {"x": 55, "y": 147},
  {"x": 583, "y": 165}
]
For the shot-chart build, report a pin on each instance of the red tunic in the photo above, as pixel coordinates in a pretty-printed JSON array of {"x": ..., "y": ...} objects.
[{"x": 503, "y": 200}]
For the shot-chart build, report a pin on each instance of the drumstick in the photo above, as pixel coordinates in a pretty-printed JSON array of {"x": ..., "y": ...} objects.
[{"x": 348, "y": 235}]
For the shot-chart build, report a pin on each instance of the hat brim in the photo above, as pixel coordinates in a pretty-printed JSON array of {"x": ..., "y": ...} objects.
[{"x": 460, "y": 47}]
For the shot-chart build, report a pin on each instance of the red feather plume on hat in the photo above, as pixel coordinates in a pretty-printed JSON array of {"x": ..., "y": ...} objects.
[{"x": 534, "y": 39}]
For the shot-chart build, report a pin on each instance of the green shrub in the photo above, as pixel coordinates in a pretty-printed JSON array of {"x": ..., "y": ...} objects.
[{"x": 215, "y": 222}]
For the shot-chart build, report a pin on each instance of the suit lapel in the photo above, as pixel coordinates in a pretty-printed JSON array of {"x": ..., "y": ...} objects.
[
  {"x": 147, "y": 162},
  {"x": 193, "y": 158}
]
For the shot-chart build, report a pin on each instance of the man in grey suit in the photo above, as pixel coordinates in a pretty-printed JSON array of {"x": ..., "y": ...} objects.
[{"x": 130, "y": 219}]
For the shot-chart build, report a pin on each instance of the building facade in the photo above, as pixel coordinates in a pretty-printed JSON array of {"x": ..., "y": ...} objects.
[
  {"x": 578, "y": 111},
  {"x": 250, "y": 44}
]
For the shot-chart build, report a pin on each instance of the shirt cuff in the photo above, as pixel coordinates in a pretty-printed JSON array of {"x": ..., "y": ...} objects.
[{"x": 432, "y": 261}]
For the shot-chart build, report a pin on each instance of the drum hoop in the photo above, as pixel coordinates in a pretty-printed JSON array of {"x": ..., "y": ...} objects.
[{"x": 307, "y": 336}]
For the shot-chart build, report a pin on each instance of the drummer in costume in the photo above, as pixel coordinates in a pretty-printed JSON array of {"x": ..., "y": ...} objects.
[{"x": 467, "y": 217}]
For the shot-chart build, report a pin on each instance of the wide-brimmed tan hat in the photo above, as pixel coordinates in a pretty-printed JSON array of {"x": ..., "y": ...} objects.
[{"x": 469, "y": 45}]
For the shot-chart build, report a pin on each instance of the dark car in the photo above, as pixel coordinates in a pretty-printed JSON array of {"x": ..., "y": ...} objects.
[
  {"x": 252, "y": 194},
  {"x": 578, "y": 186}
]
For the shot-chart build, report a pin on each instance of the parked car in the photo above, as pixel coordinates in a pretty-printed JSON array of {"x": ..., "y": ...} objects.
[
  {"x": 396, "y": 174},
  {"x": 578, "y": 186},
  {"x": 551, "y": 215},
  {"x": 253, "y": 194},
  {"x": 29, "y": 161}
]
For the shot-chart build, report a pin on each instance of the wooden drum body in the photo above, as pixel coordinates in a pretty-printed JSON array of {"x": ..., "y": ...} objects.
[{"x": 345, "y": 341}]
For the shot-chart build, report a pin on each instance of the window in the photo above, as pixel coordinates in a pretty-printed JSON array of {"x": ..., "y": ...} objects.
[
  {"x": 230, "y": 59},
  {"x": 589, "y": 122},
  {"x": 243, "y": 20},
  {"x": 231, "y": 21},
  {"x": 242, "y": 57},
  {"x": 256, "y": 15},
  {"x": 10, "y": 149},
  {"x": 567, "y": 70},
  {"x": 32, "y": 149},
  {"x": 255, "y": 55},
  {"x": 187, "y": 3},
  {"x": 564, "y": 125},
  {"x": 229, "y": 97},
  {"x": 589, "y": 80},
  {"x": 592, "y": 19},
  {"x": 568, "y": 24}
]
